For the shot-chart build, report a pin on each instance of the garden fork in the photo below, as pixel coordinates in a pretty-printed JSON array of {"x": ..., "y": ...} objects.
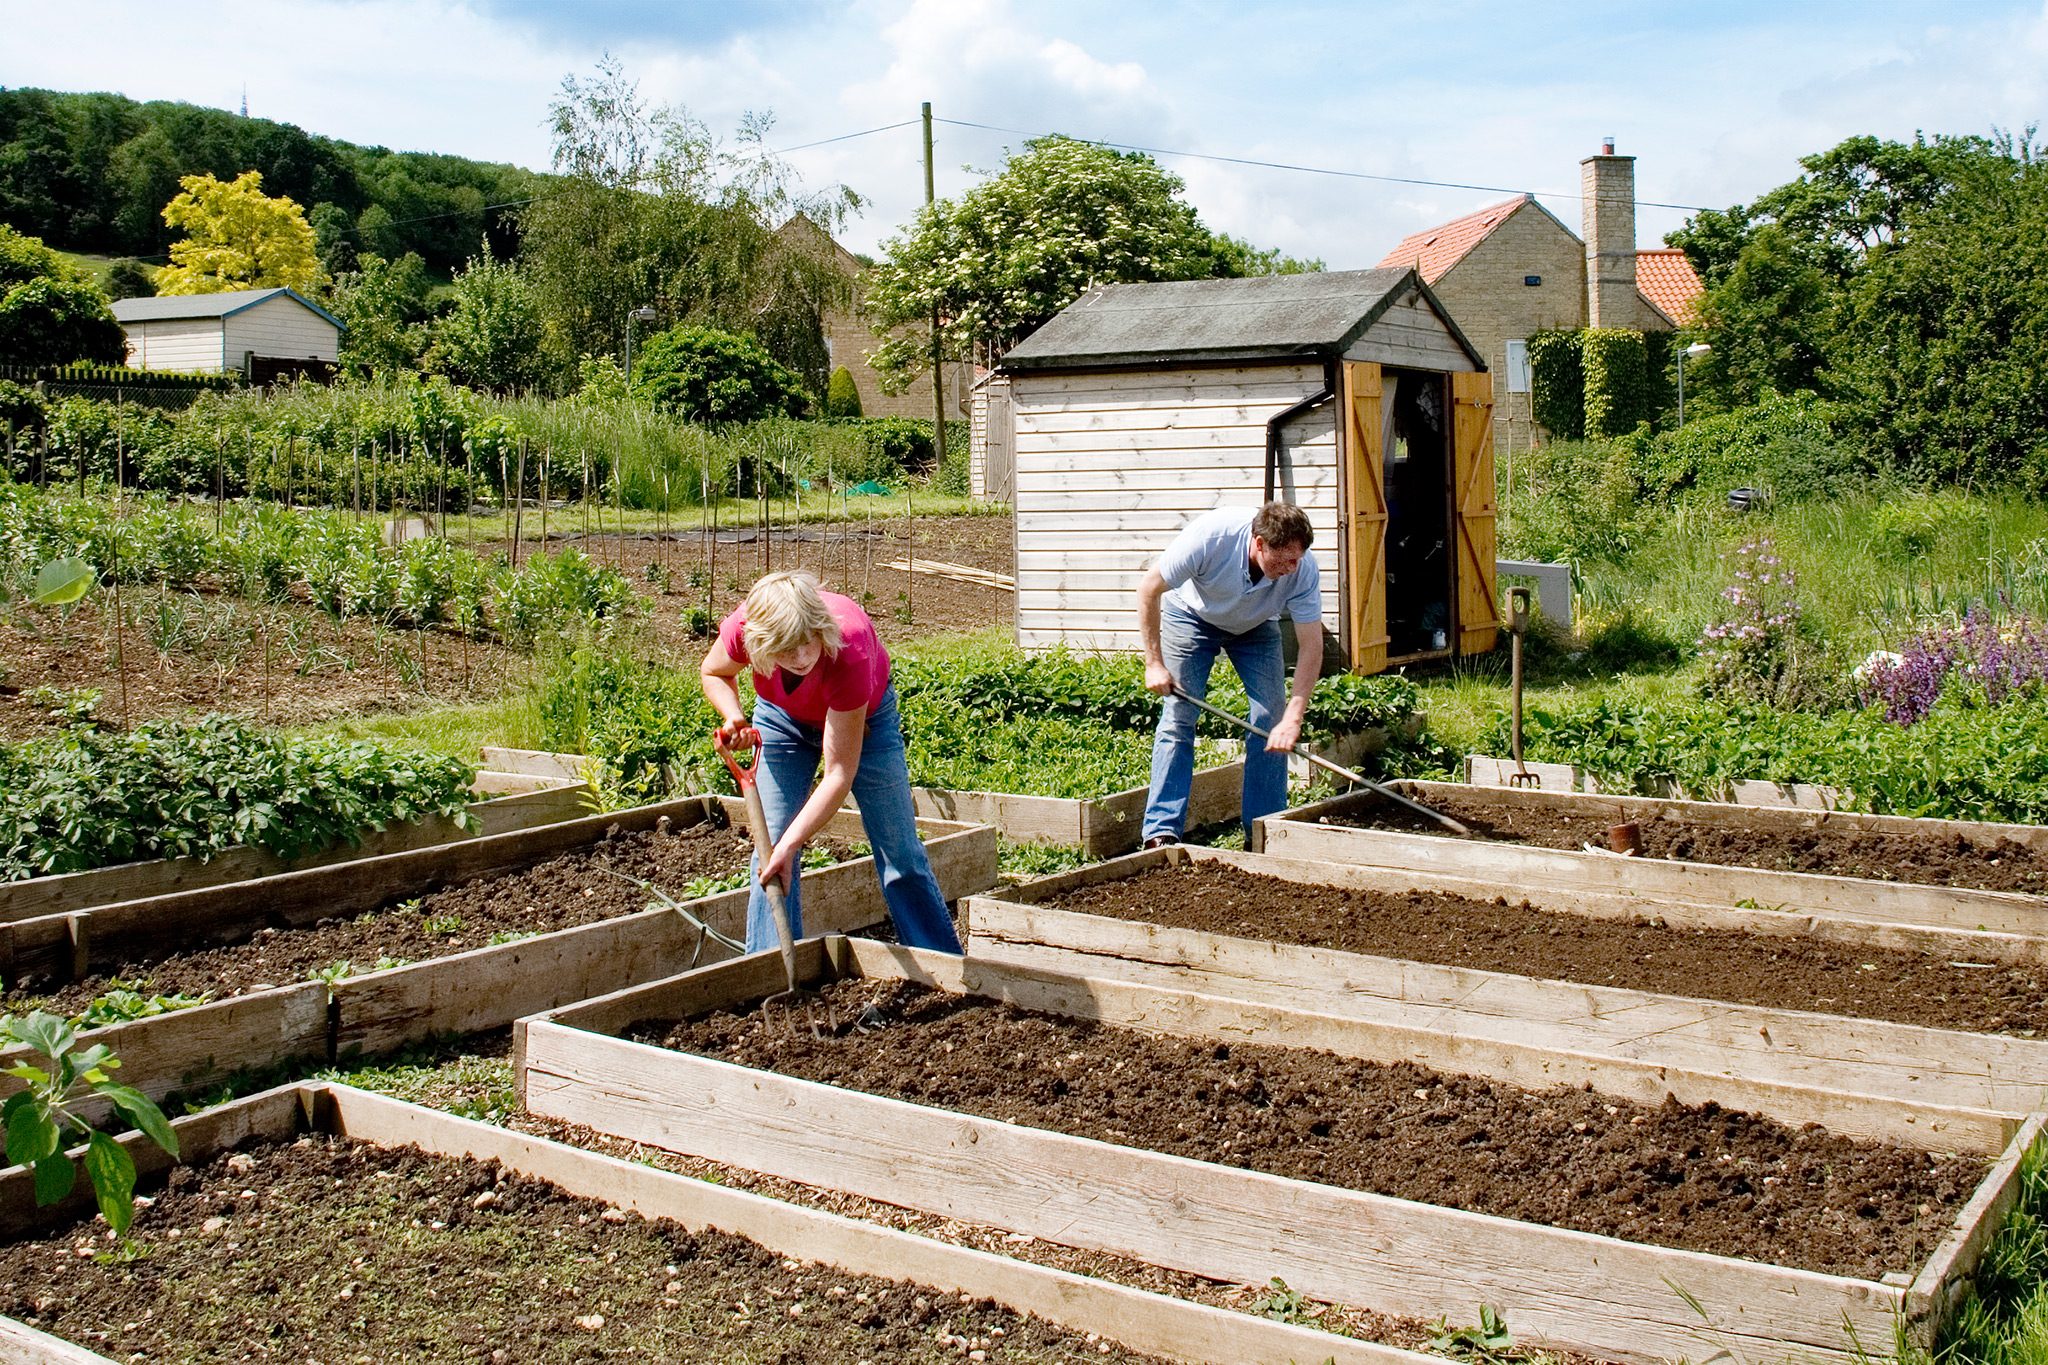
[{"x": 748, "y": 739}]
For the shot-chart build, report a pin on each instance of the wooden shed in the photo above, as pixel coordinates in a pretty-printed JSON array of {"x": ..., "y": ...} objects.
[
  {"x": 260, "y": 332},
  {"x": 1351, "y": 393}
]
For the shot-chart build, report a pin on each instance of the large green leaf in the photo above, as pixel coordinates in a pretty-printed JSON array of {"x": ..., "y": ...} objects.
[
  {"x": 54, "y": 1177},
  {"x": 31, "y": 1131},
  {"x": 62, "y": 582},
  {"x": 112, "y": 1172},
  {"x": 141, "y": 1111}
]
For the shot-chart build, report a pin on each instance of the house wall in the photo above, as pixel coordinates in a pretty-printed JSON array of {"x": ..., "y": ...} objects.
[
  {"x": 280, "y": 326},
  {"x": 186, "y": 345},
  {"x": 848, "y": 339},
  {"x": 1110, "y": 467},
  {"x": 1485, "y": 292}
]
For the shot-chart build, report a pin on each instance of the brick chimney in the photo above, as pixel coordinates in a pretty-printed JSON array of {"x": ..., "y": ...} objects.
[{"x": 1607, "y": 190}]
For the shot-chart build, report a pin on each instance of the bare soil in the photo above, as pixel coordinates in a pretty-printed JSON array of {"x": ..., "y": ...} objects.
[
  {"x": 1699, "y": 1178},
  {"x": 1791, "y": 972},
  {"x": 277, "y": 664},
  {"x": 329, "y": 1250},
  {"x": 1927, "y": 859},
  {"x": 690, "y": 567},
  {"x": 575, "y": 888}
]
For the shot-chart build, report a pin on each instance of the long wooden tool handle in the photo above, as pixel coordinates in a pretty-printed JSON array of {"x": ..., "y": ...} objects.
[
  {"x": 778, "y": 905},
  {"x": 1355, "y": 779}
]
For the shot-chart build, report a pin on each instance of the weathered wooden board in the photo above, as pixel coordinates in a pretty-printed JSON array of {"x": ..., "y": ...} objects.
[
  {"x": 488, "y": 987},
  {"x": 1145, "y": 1322},
  {"x": 1298, "y": 834},
  {"x": 512, "y": 802},
  {"x": 1593, "y": 1293},
  {"x": 1796, "y": 1066},
  {"x": 1102, "y": 827}
]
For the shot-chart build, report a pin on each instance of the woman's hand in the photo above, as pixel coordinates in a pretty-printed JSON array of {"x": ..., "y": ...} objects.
[
  {"x": 780, "y": 859},
  {"x": 728, "y": 731}
]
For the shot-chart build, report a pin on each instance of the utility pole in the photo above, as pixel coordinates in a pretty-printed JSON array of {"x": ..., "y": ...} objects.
[{"x": 938, "y": 377}]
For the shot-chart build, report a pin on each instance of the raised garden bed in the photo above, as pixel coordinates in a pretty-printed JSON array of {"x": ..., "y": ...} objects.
[
  {"x": 508, "y": 801},
  {"x": 1881, "y": 868},
  {"x": 466, "y": 894},
  {"x": 1157, "y": 1130},
  {"x": 357, "y": 1207},
  {"x": 1712, "y": 1004}
]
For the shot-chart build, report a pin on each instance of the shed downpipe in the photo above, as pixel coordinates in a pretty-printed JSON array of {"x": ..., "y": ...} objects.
[{"x": 1277, "y": 424}]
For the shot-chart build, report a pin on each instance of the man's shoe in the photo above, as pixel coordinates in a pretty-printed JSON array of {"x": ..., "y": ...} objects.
[{"x": 1161, "y": 841}]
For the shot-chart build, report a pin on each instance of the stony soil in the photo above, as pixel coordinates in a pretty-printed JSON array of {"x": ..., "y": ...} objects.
[
  {"x": 1932, "y": 860},
  {"x": 576, "y": 888},
  {"x": 326, "y": 1250},
  {"x": 1778, "y": 971},
  {"x": 1695, "y": 1177}
]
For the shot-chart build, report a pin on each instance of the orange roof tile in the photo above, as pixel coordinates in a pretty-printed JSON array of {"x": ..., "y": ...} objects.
[
  {"x": 1666, "y": 278},
  {"x": 1433, "y": 251}
]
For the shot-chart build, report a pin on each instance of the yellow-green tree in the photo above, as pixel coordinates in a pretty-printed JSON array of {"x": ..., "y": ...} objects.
[{"x": 236, "y": 237}]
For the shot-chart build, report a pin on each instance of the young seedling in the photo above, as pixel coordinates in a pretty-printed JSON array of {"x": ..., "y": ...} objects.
[{"x": 37, "y": 1117}]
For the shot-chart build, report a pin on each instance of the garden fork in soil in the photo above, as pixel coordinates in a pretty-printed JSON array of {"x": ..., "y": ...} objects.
[
  {"x": 748, "y": 739},
  {"x": 1355, "y": 779},
  {"x": 1518, "y": 626}
]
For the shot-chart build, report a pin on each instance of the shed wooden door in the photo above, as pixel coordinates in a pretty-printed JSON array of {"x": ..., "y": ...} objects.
[
  {"x": 1365, "y": 501},
  {"x": 1472, "y": 477}
]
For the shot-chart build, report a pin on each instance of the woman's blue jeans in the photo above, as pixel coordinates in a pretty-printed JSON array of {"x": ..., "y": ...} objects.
[
  {"x": 1190, "y": 646},
  {"x": 790, "y": 754}
]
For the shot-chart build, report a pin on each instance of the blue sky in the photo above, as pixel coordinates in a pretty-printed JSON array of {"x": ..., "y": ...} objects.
[{"x": 1717, "y": 101}]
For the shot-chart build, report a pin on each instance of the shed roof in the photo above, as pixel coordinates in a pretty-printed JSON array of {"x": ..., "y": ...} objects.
[
  {"x": 168, "y": 306},
  {"x": 1262, "y": 318}
]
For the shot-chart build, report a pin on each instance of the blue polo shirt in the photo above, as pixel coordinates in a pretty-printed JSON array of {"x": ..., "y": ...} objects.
[{"x": 1208, "y": 569}]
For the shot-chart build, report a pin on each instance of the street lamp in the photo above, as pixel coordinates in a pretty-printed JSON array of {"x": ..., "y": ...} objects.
[
  {"x": 649, "y": 315},
  {"x": 1692, "y": 352}
]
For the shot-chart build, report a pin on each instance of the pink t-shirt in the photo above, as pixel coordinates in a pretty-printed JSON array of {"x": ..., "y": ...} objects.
[{"x": 854, "y": 679}]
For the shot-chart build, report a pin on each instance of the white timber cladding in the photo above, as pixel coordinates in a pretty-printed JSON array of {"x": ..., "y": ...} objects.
[
  {"x": 282, "y": 327},
  {"x": 1409, "y": 334},
  {"x": 182, "y": 344},
  {"x": 1110, "y": 467}
]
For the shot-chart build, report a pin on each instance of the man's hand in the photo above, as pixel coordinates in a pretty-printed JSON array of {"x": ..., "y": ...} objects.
[
  {"x": 1159, "y": 678},
  {"x": 1284, "y": 736}
]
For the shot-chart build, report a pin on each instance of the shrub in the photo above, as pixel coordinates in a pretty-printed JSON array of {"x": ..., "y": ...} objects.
[
  {"x": 842, "y": 395},
  {"x": 1981, "y": 662},
  {"x": 1557, "y": 384},
  {"x": 552, "y": 591},
  {"x": 1790, "y": 447},
  {"x": 1909, "y": 528},
  {"x": 711, "y": 376},
  {"x": 1617, "y": 381}
]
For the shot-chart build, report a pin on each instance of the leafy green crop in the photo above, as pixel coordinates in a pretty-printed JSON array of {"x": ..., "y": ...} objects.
[{"x": 88, "y": 798}]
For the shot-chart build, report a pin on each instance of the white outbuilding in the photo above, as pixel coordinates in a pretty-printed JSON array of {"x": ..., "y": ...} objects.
[
  {"x": 1352, "y": 394},
  {"x": 264, "y": 333}
]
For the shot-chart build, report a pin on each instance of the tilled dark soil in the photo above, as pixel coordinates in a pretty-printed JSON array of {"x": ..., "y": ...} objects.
[
  {"x": 335, "y": 1251},
  {"x": 1774, "y": 970},
  {"x": 561, "y": 893},
  {"x": 1699, "y": 1178},
  {"x": 1927, "y": 859}
]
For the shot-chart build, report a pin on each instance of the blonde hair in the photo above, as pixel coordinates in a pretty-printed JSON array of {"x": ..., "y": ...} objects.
[{"x": 785, "y": 612}]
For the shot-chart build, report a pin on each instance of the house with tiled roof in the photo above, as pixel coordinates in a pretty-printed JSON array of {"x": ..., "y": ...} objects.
[{"x": 1513, "y": 268}]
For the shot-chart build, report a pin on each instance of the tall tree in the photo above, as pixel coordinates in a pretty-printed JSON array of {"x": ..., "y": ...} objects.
[
  {"x": 49, "y": 313},
  {"x": 492, "y": 337},
  {"x": 236, "y": 237},
  {"x": 652, "y": 211},
  {"x": 383, "y": 307},
  {"x": 1060, "y": 217}
]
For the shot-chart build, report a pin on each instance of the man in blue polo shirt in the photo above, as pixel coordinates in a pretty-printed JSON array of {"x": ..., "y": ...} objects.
[{"x": 1223, "y": 585}]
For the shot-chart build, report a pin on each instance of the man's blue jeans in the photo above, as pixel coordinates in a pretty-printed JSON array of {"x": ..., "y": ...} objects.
[
  {"x": 790, "y": 754},
  {"x": 1190, "y": 646}
]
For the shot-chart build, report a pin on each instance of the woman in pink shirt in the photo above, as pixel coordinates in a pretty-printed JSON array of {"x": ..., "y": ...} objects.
[{"x": 822, "y": 693}]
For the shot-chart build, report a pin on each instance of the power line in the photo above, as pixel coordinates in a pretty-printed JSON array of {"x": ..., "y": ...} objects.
[{"x": 1312, "y": 170}]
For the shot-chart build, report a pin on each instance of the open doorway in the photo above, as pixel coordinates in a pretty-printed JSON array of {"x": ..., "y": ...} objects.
[{"x": 1416, "y": 440}]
